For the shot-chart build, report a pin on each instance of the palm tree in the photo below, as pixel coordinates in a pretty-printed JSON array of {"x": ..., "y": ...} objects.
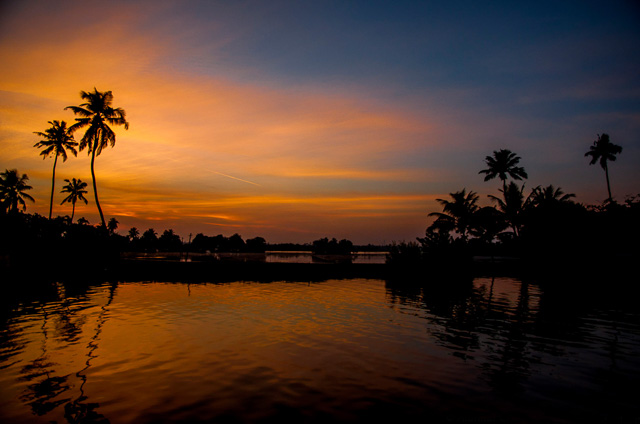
[
  {"x": 134, "y": 233},
  {"x": 76, "y": 190},
  {"x": 503, "y": 164},
  {"x": 512, "y": 205},
  {"x": 12, "y": 190},
  {"x": 96, "y": 114},
  {"x": 549, "y": 195},
  {"x": 604, "y": 150},
  {"x": 459, "y": 212},
  {"x": 112, "y": 226},
  {"x": 57, "y": 140}
]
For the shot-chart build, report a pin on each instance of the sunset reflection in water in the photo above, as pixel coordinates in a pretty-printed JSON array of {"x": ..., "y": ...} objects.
[{"x": 342, "y": 350}]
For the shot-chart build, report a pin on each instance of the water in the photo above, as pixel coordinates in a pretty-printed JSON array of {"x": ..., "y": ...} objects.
[
  {"x": 308, "y": 257},
  {"x": 488, "y": 350},
  {"x": 300, "y": 257}
]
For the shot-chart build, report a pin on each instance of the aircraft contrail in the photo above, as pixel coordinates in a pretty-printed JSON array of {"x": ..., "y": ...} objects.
[{"x": 236, "y": 178}]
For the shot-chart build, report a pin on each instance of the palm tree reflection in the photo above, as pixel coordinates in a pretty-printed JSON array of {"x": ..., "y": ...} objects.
[
  {"x": 79, "y": 410},
  {"x": 475, "y": 324},
  {"x": 509, "y": 364},
  {"x": 40, "y": 394},
  {"x": 44, "y": 393}
]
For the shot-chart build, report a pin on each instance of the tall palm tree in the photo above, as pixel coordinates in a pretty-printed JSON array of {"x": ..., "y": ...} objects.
[
  {"x": 96, "y": 114},
  {"x": 76, "y": 190},
  {"x": 503, "y": 164},
  {"x": 12, "y": 190},
  {"x": 459, "y": 211},
  {"x": 604, "y": 150},
  {"x": 57, "y": 140}
]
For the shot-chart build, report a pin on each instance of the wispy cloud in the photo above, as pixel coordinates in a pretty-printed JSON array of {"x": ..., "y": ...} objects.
[{"x": 226, "y": 133}]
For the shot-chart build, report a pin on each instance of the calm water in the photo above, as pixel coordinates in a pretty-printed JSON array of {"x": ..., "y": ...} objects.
[
  {"x": 341, "y": 350},
  {"x": 308, "y": 257}
]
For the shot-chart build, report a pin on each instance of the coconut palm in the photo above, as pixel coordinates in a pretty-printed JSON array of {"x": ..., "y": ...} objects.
[
  {"x": 459, "y": 211},
  {"x": 512, "y": 205},
  {"x": 95, "y": 115},
  {"x": 134, "y": 233},
  {"x": 112, "y": 226},
  {"x": 503, "y": 164},
  {"x": 76, "y": 190},
  {"x": 549, "y": 195},
  {"x": 12, "y": 190},
  {"x": 56, "y": 140},
  {"x": 604, "y": 150}
]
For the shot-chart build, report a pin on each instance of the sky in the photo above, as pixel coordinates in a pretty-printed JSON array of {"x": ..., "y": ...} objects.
[{"x": 295, "y": 120}]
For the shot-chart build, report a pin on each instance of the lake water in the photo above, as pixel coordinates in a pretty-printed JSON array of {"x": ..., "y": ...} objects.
[{"x": 483, "y": 350}]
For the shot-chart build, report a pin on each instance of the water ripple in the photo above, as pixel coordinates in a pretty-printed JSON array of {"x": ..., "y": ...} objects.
[{"x": 338, "y": 350}]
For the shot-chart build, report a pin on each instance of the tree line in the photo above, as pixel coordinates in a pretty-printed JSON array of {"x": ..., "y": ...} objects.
[
  {"x": 545, "y": 217},
  {"x": 545, "y": 222},
  {"x": 95, "y": 115}
]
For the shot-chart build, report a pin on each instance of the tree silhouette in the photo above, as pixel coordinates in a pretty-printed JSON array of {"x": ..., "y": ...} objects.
[
  {"x": 134, "y": 233},
  {"x": 12, "y": 190},
  {"x": 459, "y": 212},
  {"x": 57, "y": 140},
  {"x": 169, "y": 241},
  {"x": 76, "y": 190},
  {"x": 149, "y": 240},
  {"x": 549, "y": 195},
  {"x": 487, "y": 224},
  {"x": 512, "y": 205},
  {"x": 503, "y": 164},
  {"x": 112, "y": 226},
  {"x": 604, "y": 150},
  {"x": 96, "y": 114}
]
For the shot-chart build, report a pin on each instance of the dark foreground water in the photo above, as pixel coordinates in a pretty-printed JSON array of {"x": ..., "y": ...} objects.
[{"x": 487, "y": 350}]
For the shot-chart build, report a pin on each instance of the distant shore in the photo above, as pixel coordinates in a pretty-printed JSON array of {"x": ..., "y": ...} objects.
[{"x": 226, "y": 267}]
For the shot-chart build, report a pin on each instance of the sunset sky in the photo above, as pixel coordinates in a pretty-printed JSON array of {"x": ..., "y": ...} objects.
[{"x": 294, "y": 120}]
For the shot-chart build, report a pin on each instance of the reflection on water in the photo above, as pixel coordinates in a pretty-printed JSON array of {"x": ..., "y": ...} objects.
[
  {"x": 341, "y": 350},
  {"x": 308, "y": 257}
]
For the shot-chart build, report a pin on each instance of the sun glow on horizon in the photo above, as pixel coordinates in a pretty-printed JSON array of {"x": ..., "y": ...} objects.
[{"x": 238, "y": 125}]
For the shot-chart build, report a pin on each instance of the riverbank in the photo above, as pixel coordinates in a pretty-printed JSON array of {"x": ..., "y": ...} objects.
[{"x": 254, "y": 267}]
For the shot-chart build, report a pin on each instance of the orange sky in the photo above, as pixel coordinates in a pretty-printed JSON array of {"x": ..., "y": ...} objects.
[{"x": 218, "y": 146}]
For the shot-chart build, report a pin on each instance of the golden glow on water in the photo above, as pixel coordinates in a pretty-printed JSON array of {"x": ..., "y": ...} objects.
[{"x": 339, "y": 350}]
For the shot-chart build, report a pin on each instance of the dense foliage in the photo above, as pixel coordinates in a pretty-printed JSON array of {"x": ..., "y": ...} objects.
[{"x": 543, "y": 225}]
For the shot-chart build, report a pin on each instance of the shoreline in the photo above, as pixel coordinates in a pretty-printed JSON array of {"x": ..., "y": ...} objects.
[{"x": 566, "y": 271}]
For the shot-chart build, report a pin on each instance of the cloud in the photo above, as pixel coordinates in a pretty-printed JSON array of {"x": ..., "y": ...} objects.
[{"x": 217, "y": 138}]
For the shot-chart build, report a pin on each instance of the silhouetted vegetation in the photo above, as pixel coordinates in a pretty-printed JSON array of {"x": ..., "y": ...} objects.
[
  {"x": 220, "y": 243},
  {"x": 324, "y": 246},
  {"x": 12, "y": 191},
  {"x": 57, "y": 140},
  {"x": 541, "y": 224},
  {"x": 503, "y": 164},
  {"x": 544, "y": 227},
  {"x": 35, "y": 244},
  {"x": 76, "y": 190},
  {"x": 604, "y": 150},
  {"x": 95, "y": 115}
]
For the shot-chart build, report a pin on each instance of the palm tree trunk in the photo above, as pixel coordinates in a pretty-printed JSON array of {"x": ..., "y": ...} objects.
[
  {"x": 53, "y": 183},
  {"x": 73, "y": 210},
  {"x": 95, "y": 189},
  {"x": 606, "y": 172}
]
